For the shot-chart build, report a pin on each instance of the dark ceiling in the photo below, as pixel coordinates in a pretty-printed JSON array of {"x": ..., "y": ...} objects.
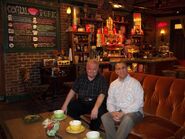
[{"x": 156, "y": 7}]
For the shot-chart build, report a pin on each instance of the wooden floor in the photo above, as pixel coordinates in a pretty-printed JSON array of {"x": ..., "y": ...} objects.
[{"x": 32, "y": 105}]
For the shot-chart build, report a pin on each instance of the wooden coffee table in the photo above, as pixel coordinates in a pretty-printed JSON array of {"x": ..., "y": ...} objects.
[{"x": 17, "y": 129}]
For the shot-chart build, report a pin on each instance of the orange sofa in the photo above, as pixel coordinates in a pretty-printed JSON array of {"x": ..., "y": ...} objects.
[{"x": 164, "y": 106}]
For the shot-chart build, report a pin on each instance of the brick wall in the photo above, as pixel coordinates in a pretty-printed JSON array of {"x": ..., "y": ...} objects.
[
  {"x": 63, "y": 26},
  {"x": 14, "y": 62},
  {"x": 1, "y": 57}
]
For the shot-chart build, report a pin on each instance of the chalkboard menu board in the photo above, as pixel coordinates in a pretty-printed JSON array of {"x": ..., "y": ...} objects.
[{"x": 31, "y": 27}]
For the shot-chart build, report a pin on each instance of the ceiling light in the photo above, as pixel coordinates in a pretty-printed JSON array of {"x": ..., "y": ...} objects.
[{"x": 117, "y": 5}]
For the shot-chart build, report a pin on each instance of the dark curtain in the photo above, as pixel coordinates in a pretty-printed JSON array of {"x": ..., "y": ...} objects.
[
  {"x": 177, "y": 39},
  {"x": 183, "y": 26}
]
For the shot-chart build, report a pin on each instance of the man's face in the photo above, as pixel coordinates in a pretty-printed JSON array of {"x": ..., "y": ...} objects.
[
  {"x": 121, "y": 70},
  {"x": 92, "y": 70}
]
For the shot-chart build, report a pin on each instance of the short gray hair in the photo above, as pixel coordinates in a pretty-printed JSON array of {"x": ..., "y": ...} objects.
[{"x": 93, "y": 61}]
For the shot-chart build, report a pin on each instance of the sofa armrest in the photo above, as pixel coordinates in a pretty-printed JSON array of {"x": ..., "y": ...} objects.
[
  {"x": 164, "y": 122},
  {"x": 180, "y": 134}
]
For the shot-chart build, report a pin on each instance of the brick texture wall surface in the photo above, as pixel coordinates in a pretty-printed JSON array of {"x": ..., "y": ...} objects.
[
  {"x": 15, "y": 63},
  {"x": 63, "y": 26}
]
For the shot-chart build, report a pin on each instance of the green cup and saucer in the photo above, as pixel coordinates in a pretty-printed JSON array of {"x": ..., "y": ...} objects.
[{"x": 58, "y": 115}]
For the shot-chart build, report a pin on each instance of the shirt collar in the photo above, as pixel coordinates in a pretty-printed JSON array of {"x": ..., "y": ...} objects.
[{"x": 125, "y": 79}]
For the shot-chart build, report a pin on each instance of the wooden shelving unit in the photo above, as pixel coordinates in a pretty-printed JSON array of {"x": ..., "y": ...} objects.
[{"x": 80, "y": 44}]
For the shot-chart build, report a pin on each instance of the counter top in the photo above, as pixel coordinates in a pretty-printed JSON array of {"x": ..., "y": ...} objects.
[
  {"x": 142, "y": 60},
  {"x": 150, "y": 65}
]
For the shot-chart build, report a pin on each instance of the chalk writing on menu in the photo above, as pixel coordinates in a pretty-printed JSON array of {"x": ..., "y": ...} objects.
[{"x": 31, "y": 27}]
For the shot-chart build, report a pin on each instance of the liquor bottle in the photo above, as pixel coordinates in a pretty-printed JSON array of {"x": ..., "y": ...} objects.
[
  {"x": 81, "y": 58},
  {"x": 85, "y": 58},
  {"x": 82, "y": 48},
  {"x": 78, "y": 48}
]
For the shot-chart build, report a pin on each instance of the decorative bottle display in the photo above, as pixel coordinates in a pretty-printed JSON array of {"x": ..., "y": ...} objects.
[
  {"x": 80, "y": 42},
  {"x": 111, "y": 40}
]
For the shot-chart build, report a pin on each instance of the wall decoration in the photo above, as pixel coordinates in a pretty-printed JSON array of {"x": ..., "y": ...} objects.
[{"x": 31, "y": 27}]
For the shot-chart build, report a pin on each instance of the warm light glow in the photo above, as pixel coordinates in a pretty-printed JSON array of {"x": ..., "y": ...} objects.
[
  {"x": 162, "y": 31},
  {"x": 137, "y": 17},
  {"x": 68, "y": 11},
  {"x": 117, "y": 5},
  {"x": 178, "y": 26}
]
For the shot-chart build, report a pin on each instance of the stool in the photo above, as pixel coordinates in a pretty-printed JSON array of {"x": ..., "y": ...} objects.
[
  {"x": 169, "y": 73},
  {"x": 181, "y": 74}
]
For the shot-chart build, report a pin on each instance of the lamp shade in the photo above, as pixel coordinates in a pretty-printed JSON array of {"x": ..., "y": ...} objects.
[{"x": 68, "y": 11}]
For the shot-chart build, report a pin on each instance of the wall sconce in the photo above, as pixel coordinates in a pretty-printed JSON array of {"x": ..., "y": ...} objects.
[
  {"x": 68, "y": 21},
  {"x": 68, "y": 11},
  {"x": 162, "y": 33}
]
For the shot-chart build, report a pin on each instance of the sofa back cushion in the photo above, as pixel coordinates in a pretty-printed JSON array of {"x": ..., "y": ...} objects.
[
  {"x": 162, "y": 92},
  {"x": 113, "y": 76},
  {"x": 177, "y": 101},
  {"x": 164, "y": 96},
  {"x": 150, "y": 99}
]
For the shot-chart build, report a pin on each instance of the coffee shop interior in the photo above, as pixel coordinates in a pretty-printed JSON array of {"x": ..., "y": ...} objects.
[{"x": 45, "y": 44}]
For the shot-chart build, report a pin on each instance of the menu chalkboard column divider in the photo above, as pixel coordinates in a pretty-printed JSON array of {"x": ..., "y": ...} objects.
[
  {"x": 5, "y": 28},
  {"x": 59, "y": 30}
]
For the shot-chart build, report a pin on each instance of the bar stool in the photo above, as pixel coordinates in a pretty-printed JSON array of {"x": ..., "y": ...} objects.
[
  {"x": 169, "y": 73},
  {"x": 181, "y": 73}
]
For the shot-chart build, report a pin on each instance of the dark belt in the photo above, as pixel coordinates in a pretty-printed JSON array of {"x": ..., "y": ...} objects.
[{"x": 87, "y": 99}]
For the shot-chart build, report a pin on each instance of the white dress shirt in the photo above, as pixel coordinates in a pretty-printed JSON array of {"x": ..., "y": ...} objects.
[{"x": 125, "y": 95}]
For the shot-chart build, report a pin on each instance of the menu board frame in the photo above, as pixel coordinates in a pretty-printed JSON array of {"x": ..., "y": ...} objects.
[{"x": 43, "y": 39}]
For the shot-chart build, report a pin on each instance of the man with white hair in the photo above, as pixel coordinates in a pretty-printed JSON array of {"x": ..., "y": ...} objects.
[{"x": 91, "y": 89}]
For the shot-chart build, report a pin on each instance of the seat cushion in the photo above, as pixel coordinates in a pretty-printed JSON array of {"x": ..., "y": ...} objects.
[{"x": 155, "y": 127}]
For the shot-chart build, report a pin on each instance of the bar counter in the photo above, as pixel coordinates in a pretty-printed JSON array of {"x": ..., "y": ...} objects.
[
  {"x": 145, "y": 60},
  {"x": 150, "y": 65}
]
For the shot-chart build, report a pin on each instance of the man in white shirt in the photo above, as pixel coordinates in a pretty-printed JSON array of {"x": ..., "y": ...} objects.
[{"x": 124, "y": 104}]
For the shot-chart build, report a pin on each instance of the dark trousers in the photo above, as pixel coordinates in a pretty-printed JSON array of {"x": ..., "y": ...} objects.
[{"x": 78, "y": 107}]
